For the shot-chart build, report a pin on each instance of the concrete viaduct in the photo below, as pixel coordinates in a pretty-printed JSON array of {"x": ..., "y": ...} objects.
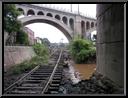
[
  {"x": 110, "y": 34},
  {"x": 69, "y": 23}
]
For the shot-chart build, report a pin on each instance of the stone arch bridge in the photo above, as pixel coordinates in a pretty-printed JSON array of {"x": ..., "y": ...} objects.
[{"x": 69, "y": 23}]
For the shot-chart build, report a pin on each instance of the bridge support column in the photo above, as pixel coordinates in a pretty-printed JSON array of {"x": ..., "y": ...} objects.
[
  {"x": 77, "y": 26},
  {"x": 110, "y": 41},
  {"x": 25, "y": 12}
]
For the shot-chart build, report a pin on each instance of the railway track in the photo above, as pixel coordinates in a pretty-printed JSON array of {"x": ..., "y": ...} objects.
[{"x": 43, "y": 79}]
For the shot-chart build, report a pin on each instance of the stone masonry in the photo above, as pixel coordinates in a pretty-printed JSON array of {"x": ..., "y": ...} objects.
[{"x": 16, "y": 54}]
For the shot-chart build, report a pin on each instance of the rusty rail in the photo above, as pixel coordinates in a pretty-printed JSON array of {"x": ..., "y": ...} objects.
[
  {"x": 50, "y": 79},
  {"x": 21, "y": 78}
]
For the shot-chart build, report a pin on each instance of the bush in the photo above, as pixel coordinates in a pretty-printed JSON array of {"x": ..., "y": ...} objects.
[
  {"x": 81, "y": 50},
  {"x": 22, "y": 38},
  {"x": 19, "y": 68},
  {"x": 28, "y": 65},
  {"x": 42, "y": 57},
  {"x": 40, "y": 49},
  {"x": 42, "y": 52}
]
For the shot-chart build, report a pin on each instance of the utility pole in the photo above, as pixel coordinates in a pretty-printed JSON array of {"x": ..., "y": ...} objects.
[
  {"x": 62, "y": 40},
  {"x": 71, "y": 7},
  {"x": 78, "y": 9}
]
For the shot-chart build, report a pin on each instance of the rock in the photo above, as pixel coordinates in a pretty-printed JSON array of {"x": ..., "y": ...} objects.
[
  {"x": 62, "y": 90},
  {"x": 97, "y": 84},
  {"x": 101, "y": 85},
  {"x": 93, "y": 79}
]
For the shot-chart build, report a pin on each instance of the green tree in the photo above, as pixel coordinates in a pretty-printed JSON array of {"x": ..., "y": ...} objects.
[
  {"x": 11, "y": 24},
  {"x": 22, "y": 38},
  {"x": 45, "y": 41}
]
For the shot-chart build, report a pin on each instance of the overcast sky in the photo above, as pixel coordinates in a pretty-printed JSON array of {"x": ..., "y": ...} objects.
[{"x": 53, "y": 34}]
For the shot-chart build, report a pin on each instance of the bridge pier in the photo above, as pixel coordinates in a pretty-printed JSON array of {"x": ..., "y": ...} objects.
[
  {"x": 77, "y": 29},
  {"x": 110, "y": 41}
]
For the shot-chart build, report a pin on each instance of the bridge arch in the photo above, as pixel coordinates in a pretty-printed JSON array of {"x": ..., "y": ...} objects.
[
  {"x": 71, "y": 21},
  {"x": 83, "y": 28},
  {"x": 49, "y": 14},
  {"x": 40, "y": 13},
  {"x": 54, "y": 22},
  {"x": 65, "y": 20},
  {"x": 92, "y": 24},
  {"x": 21, "y": 10},
  {"x": 57, "y": 17},
  {"x": 30, "y": 12},
  {"x": 87, "y": 25},
  {"x": 95, "y": 24}
]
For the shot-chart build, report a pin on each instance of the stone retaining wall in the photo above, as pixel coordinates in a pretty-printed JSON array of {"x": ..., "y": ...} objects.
[{"x": 16, "y": 54}]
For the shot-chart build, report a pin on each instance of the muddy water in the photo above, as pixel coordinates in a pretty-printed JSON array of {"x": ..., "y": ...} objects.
[
  {"x": 70, "y": 74},
  {"x": 85, "y": 70},
  {"x": 78, "y": 72}
]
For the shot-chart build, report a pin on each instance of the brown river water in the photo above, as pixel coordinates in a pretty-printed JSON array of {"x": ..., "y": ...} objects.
[
  {"x": 77, "y": 72},
  {"x": 85, "y": 70}
]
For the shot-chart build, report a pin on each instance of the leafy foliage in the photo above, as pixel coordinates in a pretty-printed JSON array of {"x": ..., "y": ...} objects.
[
  {"x": 39, "y": 59},
  {"x": 28, "y": 65},
  {"x": 22, "y": 38},
  {"x": 81, "y": 50},
  {"x": 40, "y": 49},
  {"x": 11, "y": 24},
  {"x": 45, "y": 41}
]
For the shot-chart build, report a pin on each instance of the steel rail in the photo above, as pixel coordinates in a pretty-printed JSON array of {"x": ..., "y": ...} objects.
[
  {"x": 21, "y": 78},
  {"x": 35, "y": 68},
  {"x": 50, "y": 79}
]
